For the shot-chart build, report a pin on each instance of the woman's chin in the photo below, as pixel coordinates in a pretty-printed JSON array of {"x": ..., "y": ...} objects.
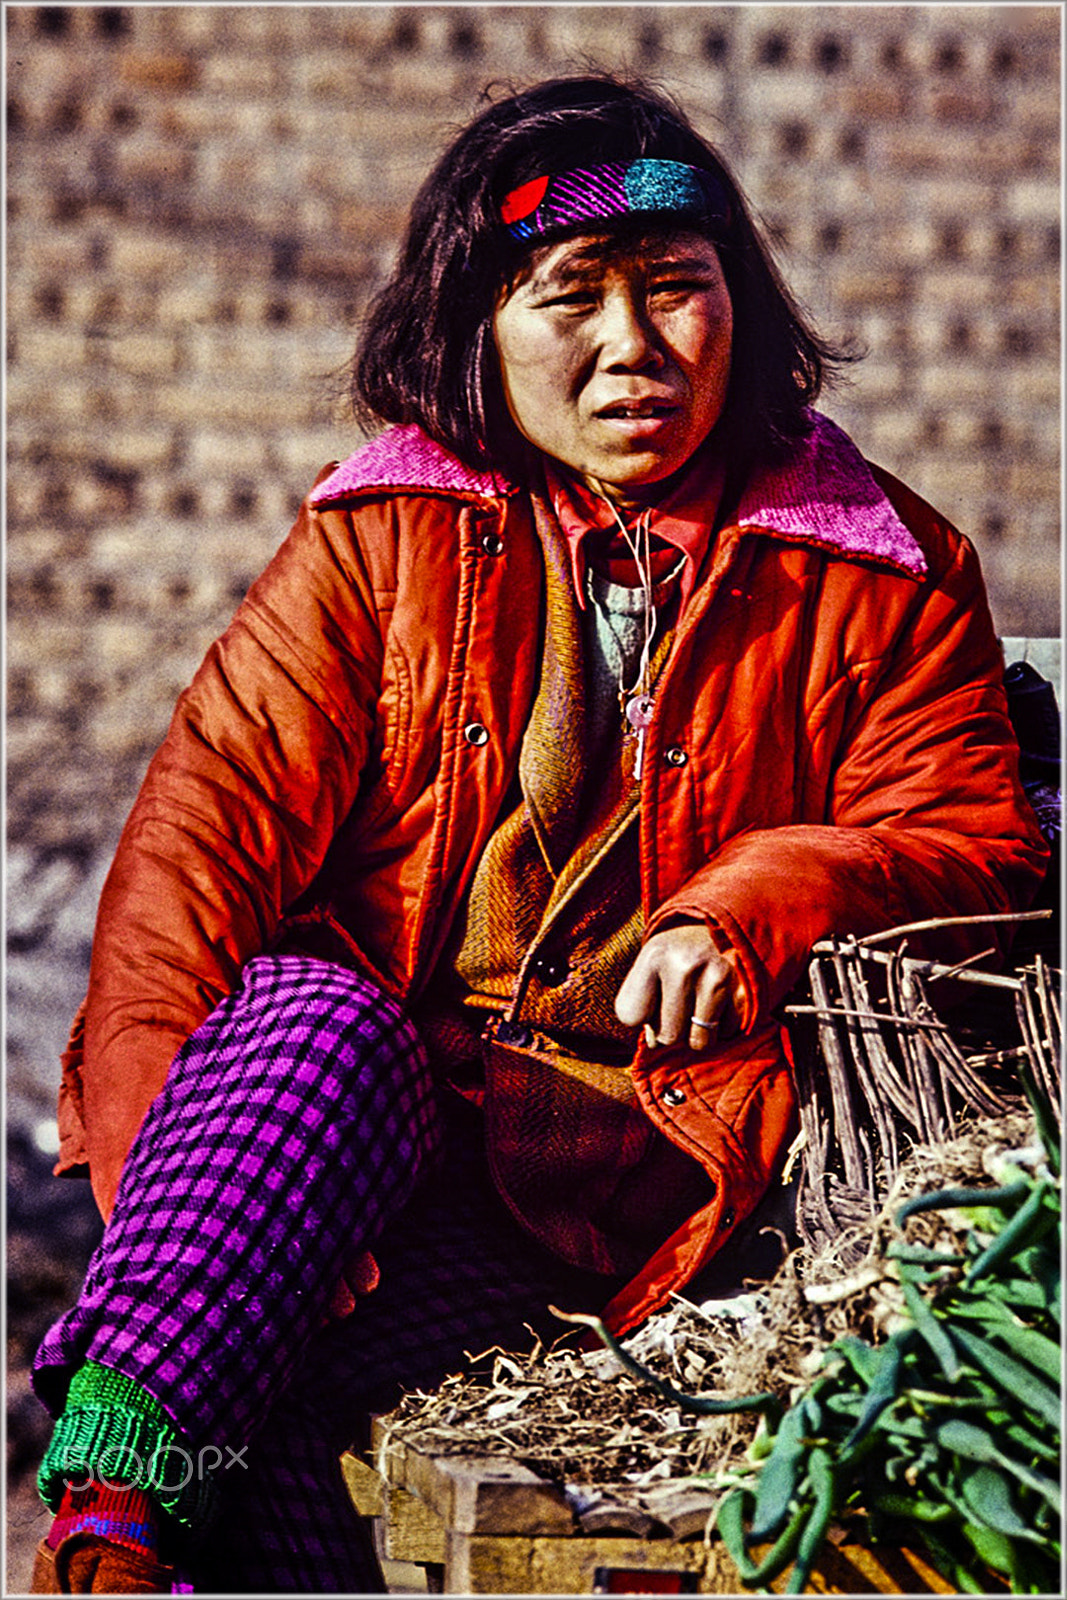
[{"x": 635, "y": 473}]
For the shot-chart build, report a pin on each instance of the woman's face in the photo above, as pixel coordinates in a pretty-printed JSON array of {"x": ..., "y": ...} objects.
[{"x": 615, "y": 357}]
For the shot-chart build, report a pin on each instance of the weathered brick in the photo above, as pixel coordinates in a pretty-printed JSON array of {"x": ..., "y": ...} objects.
[
  {"x": 191, "y": 28},
  {"x": 148, "y": 254},
  {"x": 970, "y": 103},
  {"x": 253, "y": 404},
  {"x": 956, "y": 487},
  {"x": 187, "y": 301},
  {"x": 881, "y": 377},
  {"x": 1042, "y": 384},
  {"x": 170, "y": 70},
  {"x": 890, "y": 433},
  {"x": 1028, "y": 481},
  {"x": 1027, "y": 594},
  {"x": 50, "y": 350},
  {"x": 241, "y": 77},
  {"x": 886, "y": 286},
  {"x": 951, "y": 379},
  {"x": 152, "y": 162},
  {"x": 148, "y": 354},
  {"x": 299, "y": 454},
  {"x": 947, "y": 288},
  {"x": 796, "y": 95},
  {"x": 885, "y": 101},
  {"x": 1030, "y": 199},
  {"x": 148, "y": 449},
  {"x": 213, "y": 452}
]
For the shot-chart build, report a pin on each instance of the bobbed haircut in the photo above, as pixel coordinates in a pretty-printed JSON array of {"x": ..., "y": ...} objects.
[{"x": 427, "y": 354}]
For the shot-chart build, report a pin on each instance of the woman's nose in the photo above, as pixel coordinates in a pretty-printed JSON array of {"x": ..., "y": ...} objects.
[{"x": 628, "y": 337}]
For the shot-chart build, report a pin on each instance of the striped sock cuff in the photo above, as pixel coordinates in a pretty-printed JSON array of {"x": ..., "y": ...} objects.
[
  {"x": 115, "y": 1433},
  {"x": 125, "y": 1516}
]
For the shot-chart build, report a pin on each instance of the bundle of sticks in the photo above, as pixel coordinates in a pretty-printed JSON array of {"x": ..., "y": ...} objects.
[{"x": 894, "y": 1059}]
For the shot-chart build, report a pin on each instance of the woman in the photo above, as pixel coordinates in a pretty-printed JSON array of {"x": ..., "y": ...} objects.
[{"x": 450, "y": 922}]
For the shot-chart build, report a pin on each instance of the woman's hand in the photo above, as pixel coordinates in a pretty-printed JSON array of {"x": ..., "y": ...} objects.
[{"x": 682, "y": 987}]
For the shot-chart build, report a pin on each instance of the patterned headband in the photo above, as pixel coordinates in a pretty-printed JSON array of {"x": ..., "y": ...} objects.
[{"x": 616, "y": 189}]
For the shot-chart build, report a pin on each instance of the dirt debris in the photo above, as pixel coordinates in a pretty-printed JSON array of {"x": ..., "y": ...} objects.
[{"x": 573, "y": 1415}]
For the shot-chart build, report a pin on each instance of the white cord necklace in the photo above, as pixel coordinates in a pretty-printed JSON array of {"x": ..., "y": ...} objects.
[{"x": 636, "y": 703}]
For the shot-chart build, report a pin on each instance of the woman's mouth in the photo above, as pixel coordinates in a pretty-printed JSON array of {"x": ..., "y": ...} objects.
[
  {"x": 639, "y": 420},
  {"x": 647, "y": 410}
]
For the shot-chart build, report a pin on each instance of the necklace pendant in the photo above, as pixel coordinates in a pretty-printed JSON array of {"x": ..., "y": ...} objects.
[
  {"x": 639, "y": 757},
  {"x": 639, "y": 711}
]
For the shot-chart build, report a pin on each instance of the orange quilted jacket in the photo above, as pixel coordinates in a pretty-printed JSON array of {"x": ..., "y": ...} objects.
[{"x": 830, "y": 752}]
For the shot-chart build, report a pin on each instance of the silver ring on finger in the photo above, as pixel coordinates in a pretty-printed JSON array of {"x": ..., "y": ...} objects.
[{"x": 695, "y": 1022}]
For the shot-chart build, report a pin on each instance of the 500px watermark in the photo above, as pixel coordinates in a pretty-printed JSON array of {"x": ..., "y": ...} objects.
[{"x": 168, "y": 1469}]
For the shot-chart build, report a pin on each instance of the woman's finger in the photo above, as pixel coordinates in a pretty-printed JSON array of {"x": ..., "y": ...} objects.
[
  {"x": 638, "y": 999},
  {"x": 676, "y": 1002},
  {"x": 709, "y": 1003}
]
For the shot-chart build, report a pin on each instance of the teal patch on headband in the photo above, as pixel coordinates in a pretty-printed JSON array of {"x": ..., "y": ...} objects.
[{"x": 654, "y": 185}]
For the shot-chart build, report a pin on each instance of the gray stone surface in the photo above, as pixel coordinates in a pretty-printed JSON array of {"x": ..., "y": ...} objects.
[
  {"x": 51, "y": 900},
  {"x": 52, "y": 1224}
]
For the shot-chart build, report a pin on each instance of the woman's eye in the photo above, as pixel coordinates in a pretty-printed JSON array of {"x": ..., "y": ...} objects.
[
  {"x": 678, "y": 286},
  {"x": 575, "y": 298}
]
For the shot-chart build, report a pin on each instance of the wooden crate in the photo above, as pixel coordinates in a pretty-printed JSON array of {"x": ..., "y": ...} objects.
[{"x": 484, "y": 1525}]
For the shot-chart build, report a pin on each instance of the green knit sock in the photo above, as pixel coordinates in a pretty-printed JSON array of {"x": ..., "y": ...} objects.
[{"x": 114, "y": 1431}]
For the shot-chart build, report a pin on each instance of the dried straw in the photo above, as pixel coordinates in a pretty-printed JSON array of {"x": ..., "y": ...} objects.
[{"x": 575, "y": 1417}]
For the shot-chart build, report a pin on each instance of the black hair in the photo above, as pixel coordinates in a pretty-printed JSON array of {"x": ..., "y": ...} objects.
[{"x": 426, "y": 354}]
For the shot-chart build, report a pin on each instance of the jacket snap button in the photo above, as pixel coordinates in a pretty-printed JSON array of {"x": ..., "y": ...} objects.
[
  {"x": 552, "y": 970},
  {"x": 675, "y": 756},
  {"x": 515, "y": 1033},
  {"x": 476, "y": 733},
  {"x": 492, "y": 544},
  {"x": 673, "y": 1096}
]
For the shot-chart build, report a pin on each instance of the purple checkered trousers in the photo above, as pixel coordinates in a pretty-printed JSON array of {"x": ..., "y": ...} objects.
[{"x": 299, "y": 1126}]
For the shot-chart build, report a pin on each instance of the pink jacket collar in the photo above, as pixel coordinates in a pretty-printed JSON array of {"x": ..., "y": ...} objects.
[
  {"x": 406, "y": 458},
  {"x": 824, "y": 495}
]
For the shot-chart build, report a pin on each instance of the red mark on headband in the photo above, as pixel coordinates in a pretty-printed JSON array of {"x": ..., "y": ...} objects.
[{"x": 524, "y": 200}]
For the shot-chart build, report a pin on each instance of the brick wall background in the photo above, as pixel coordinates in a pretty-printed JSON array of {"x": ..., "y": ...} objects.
[{"x": 200, "y": 200}]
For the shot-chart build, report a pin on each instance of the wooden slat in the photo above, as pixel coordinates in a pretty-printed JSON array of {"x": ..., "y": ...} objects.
[
  {"x": 487, "y": 1495},
  {"x": 363, "y": 1484},
  {"x": 476, "y": 1564},
  {"x": 497, "y": 1528},
  {"x": 411, "y": 1531},
  {"x": 480, "y": 1564}
]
